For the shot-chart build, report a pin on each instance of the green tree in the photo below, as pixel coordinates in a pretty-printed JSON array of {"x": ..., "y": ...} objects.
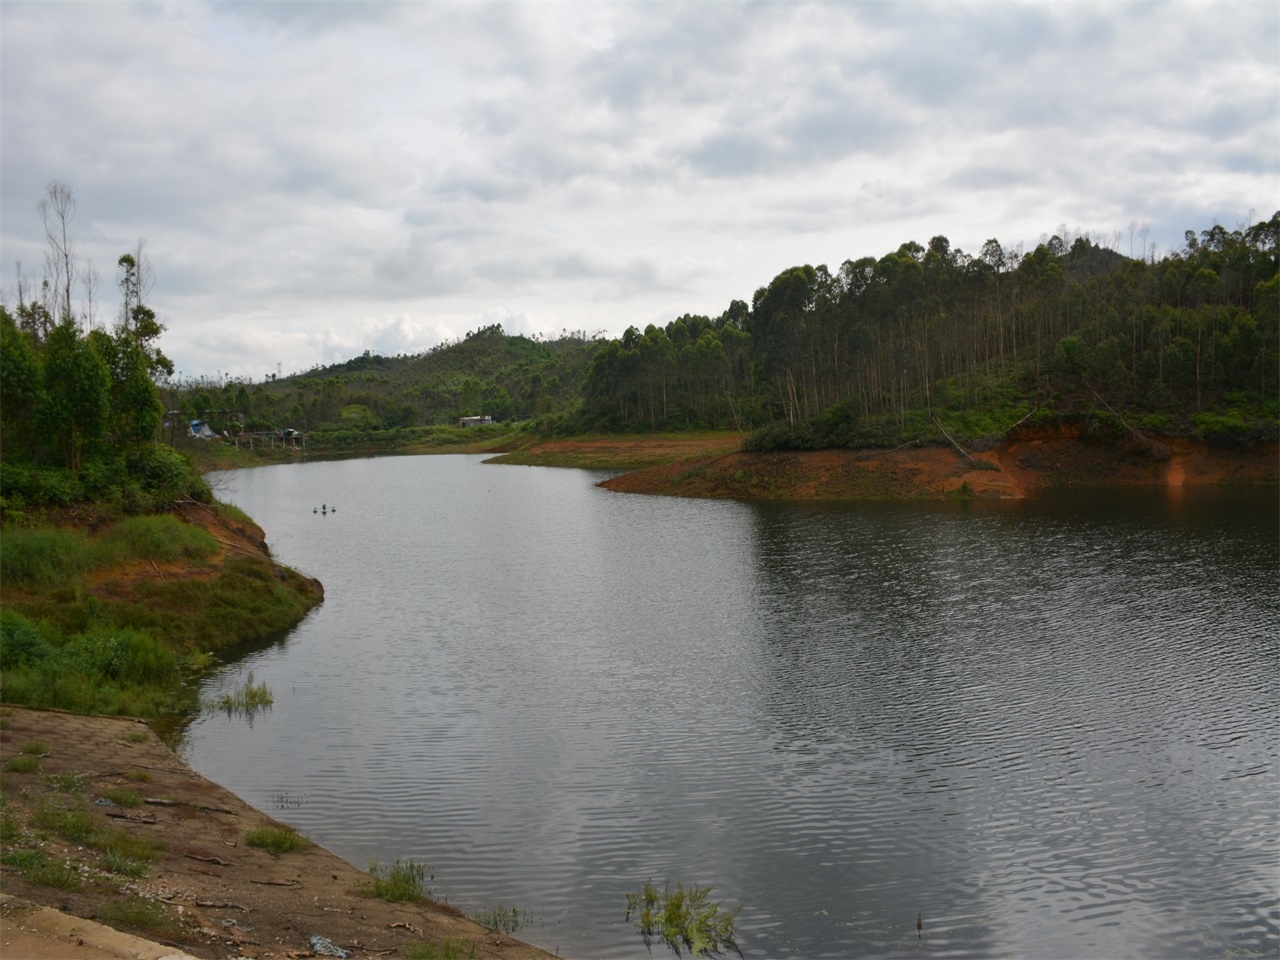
[
  {"x": 19, "y": 388},
  {"x": 76, "y": 395}
]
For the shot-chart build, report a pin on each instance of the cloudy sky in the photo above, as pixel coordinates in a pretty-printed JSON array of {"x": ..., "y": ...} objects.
[{"x": 315, "y": 180}]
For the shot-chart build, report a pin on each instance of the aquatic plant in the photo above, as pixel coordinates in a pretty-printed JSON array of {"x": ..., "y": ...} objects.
[
  {"x": 502, "y": 919},
  {"x": 683, "y": 918},
  {"x": 246, "y": 698}
]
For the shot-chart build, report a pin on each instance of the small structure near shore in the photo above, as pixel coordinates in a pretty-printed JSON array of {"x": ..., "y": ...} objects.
[{"x": 474, "y": 421}]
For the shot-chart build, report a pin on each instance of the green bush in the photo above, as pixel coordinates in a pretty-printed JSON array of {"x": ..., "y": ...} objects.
[
  {"x": 20, "y": 641},
  {"x": 123, "y": 655}
]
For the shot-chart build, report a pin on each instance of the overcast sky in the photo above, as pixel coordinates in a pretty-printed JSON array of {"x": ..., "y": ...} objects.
[{"x": 315, "y": 180}]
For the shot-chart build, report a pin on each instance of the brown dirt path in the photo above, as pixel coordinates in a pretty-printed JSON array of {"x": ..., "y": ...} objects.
[{"x": 217, "y": 895}]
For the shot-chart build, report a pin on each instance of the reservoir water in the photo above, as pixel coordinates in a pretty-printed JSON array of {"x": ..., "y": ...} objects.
[{"x": 1050, "y": 726}]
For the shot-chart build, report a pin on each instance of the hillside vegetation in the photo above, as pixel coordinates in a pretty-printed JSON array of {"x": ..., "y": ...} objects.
[{"x": 880, "y": 351}]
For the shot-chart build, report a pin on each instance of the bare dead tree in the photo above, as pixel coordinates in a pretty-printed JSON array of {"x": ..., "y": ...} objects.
[
  {"x": 57, "y": 210},
  {"x": 89, "y": 283}
]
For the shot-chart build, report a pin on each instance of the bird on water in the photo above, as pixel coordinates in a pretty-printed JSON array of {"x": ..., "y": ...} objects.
[{"x": 919, "y": 924}]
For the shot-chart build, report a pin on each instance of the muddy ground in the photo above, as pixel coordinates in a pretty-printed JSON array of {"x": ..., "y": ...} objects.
[{"x": 208, "y": 892}]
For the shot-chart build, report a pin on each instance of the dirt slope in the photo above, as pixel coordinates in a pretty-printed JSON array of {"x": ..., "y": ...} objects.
[{"x": 217, "y": 896}]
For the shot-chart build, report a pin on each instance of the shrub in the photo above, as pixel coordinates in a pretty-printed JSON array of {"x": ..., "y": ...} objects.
[
  {"x": 126, "y": 656},
  {"x": 20, "y": 642}
]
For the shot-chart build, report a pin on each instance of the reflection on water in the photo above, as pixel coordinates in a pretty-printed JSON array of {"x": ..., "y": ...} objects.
[{"x": 1049, "y": 727}]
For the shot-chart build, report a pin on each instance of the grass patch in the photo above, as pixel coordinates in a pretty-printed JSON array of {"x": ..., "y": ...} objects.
[
  {"x": 161, "y": 537},
  {"x": 124, "y": 866},
  {"x": 36, "y": 748},
  {"x": 136, "y": 912},
  {"x": 276, "y": 838},
  {"x": 23, "y": 859},
  {"x": 139, "y": 776},
  {"x": 122, "y": 796},
  {"x": 128, "y": 845},
  {"x": 403, "y": 882},
  {"x": 450, "y": 949},
  {"x": 503, "y": 919},
  {"x": 23, "y": 763},
  {"x": 682, "y": 918},
  {"x": 60, "y": 876},
  {"x": 136, "y": 736},
  {"x": 66, "y": 782}
]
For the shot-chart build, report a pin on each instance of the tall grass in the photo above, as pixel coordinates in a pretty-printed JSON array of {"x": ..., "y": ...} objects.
[
  {"x": 158, "y": 537},
  {"x": 403, "y": 882},
  {"x": 44, "y": 557},
  {"x": 49, "y": 558}
]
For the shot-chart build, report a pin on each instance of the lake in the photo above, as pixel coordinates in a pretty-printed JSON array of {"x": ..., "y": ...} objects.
[{"x": 1050, "y": 726}]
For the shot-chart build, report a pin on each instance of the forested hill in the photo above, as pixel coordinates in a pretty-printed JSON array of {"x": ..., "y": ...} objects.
[{"x": 876, "y": 351}]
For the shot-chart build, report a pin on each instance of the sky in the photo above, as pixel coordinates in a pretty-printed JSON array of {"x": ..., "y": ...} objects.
[{"x": 312, "y": 181}]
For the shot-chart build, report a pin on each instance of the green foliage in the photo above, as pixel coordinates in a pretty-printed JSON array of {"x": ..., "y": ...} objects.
[
  {"x": 277, "y": 838},
  {"x": 160, "y": 537},
  {"x": 45, "y": 557},
  {"x": 20, "y": 642},
  {"x": 403, "y": 882},
  {"x": 682, "y": 918}
]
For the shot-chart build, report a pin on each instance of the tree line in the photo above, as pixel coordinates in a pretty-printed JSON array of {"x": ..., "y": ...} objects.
[{"x": 933, "y": 329}]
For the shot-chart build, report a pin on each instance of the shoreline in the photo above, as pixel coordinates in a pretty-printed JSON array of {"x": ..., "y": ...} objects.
[
  {"x": 1025, "y": 464},
  {"x": 206, "y": 890}
]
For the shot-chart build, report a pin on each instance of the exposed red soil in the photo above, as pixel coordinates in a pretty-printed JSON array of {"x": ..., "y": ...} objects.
[{"x": 1030, "y": 460}]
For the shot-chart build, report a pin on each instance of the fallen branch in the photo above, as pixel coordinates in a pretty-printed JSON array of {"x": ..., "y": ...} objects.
[
  {"x": 132, "y": 817},
  {"x": 214, "y": 860},
  {"x": 275, "y": 883},
  {"x": 952, "y": 439},
  {"x": 1019, "y": 423},
  {"x": 1133, "y": 430},
  {"x": 220, "y": 905},
  {"x": 183, "y": 803}
]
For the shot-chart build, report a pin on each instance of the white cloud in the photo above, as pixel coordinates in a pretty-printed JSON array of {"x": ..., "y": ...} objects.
[{"x": 314, "y": 180}]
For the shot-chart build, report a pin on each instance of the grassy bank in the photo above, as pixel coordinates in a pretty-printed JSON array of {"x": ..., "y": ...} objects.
[{"x": 117, "y": 620}]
